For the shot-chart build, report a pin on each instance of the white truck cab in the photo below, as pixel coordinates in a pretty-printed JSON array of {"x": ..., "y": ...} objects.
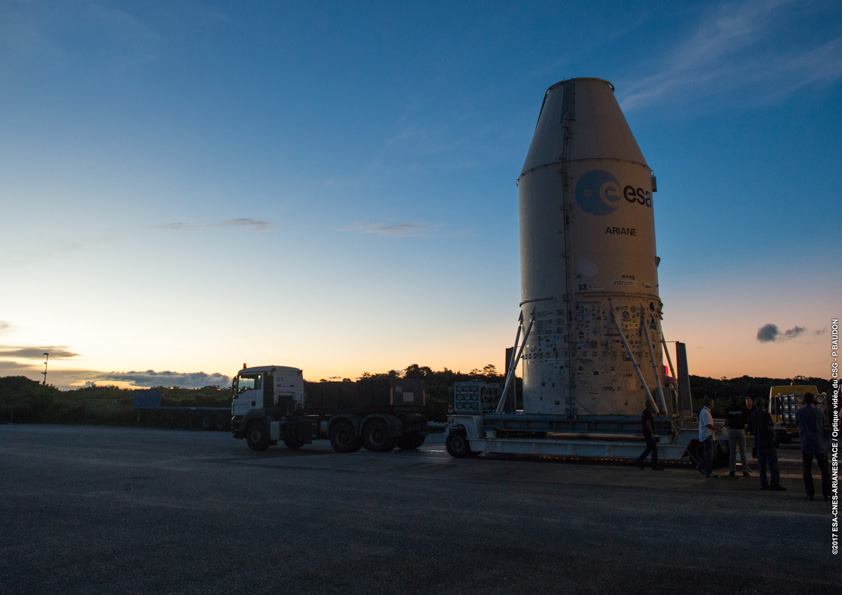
[
  {"x": 267, "y": 387},
  {"x": 266, "y": 407}
]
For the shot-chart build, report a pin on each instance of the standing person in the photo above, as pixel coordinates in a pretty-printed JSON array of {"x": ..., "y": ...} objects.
[
  {"x": 707, "y": 433},
  {"x": 810, "y": 421},
  {"x": 648, "y": 422},
  {"x": 763, "y": 428},
  {"x": 737, "y": 418}
]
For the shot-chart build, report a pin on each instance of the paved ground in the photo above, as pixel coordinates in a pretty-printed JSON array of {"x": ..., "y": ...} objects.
[{"x": 120, "y": 510}]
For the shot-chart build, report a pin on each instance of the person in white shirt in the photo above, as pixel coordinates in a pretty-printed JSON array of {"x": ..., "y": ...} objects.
[{"x": 707, "y": 434}]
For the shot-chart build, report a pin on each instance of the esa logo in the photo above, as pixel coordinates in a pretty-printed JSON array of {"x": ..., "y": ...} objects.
[{"x": 598, "y": 193}]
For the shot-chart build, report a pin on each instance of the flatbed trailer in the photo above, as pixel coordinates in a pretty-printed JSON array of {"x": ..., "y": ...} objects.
[{"x": 602, "y": 438}]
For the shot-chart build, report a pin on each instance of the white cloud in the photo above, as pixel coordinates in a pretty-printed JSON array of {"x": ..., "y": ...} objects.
[
  {"x": 397, "y": 230},
  {"x": 70, "y": 378},
  {"x": 44, "y": 33},
  {"x": 720, "y": 57},
  {"x": 149, "y": 378},
  {"x": 248, "y": 223},
  {"x": 244, "y": 222}
]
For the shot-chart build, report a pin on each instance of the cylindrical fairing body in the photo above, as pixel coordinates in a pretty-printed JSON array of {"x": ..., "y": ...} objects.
[{"x": 587, "y": 246}]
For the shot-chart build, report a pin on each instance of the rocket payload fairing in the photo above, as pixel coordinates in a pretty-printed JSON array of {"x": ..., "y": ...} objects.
[{"x": 589, "y": 281}]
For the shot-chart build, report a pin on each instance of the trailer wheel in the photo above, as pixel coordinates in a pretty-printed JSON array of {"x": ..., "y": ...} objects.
[
  {"x": 221, "y": 423},
  {"x": 343, "y": 437},
  {"x": 376, "y": 436},
  {"x": 458, "y": 445},
  {"x": 257, "y": 437},
  {"x": 411, "y": 441},
  {"x": 293, "y": 443},
  {"x": 207, "y": 422}
]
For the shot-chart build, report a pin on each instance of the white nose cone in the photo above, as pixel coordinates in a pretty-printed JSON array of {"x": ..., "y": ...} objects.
[{"x": 587, "y": 244}]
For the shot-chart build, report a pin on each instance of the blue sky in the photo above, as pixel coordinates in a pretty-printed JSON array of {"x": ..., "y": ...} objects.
[{"x": 186, "y": 186}]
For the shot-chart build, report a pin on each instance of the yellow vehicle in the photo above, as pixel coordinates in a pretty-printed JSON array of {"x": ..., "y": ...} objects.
[{"x": 784, "y": 402}]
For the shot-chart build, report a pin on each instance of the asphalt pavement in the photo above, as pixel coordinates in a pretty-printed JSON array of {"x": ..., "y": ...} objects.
[{"x": 128, "y": 510}]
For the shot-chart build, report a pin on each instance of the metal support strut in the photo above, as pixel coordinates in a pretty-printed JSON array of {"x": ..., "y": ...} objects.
[
  {"x": 512, "y": 360},
  {"x": 661, "y": 397},
  {"x": 633, "y": 360},
  {"x": 517, "y": 353},
  {"x": 665, "y": 347}
]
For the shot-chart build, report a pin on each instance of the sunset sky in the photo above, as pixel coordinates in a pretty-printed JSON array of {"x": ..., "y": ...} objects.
[{"x": 187, "y": 186}]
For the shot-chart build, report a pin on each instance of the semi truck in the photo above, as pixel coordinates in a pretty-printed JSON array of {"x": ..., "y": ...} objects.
[{"x": 272, "y": 404}]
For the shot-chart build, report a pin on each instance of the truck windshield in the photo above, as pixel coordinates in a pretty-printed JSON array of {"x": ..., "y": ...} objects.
[{"x": 246, "y": 382}]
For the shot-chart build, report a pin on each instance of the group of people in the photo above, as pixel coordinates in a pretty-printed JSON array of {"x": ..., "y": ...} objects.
[{"x": 758, "y": 422}]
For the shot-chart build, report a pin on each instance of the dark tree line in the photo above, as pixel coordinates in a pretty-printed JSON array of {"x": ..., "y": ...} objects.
[{"x": 25, "y": 400}]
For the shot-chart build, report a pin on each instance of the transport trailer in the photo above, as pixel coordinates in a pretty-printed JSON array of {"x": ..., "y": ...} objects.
[
  {"x": 596, "y": 438},
  {"x": 273, "y": 404},
  {"x": 476, "y": 426}
]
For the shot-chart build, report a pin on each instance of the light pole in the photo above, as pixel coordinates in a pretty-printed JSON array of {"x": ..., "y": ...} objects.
[{"x": 44, "y": 373}]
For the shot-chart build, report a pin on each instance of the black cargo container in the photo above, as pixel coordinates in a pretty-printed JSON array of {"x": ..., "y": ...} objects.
[
  {"x": 378, "y": 413},
  {"x": 364, "y": 397}
]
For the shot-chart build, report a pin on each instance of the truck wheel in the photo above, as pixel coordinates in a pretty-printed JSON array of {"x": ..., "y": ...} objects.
[
  {"x": 221, "y": 423},
  {"x": 343, "y": 437},
  {"x": 376, "y": 436},
  {"x": 293, "y": 443},
  {"x": 458, "y": 445},
  {"x": 411, "y": 441},
  {"x": 257, "y": 437}
]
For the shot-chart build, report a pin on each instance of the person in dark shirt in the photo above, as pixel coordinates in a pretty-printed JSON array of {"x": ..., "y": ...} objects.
[
  {"x": 762, "y": 428},
  {"x": 736, "y": 422},
  {"x": 810, "y": 422},
  {"x": 648, "y": 422}
]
